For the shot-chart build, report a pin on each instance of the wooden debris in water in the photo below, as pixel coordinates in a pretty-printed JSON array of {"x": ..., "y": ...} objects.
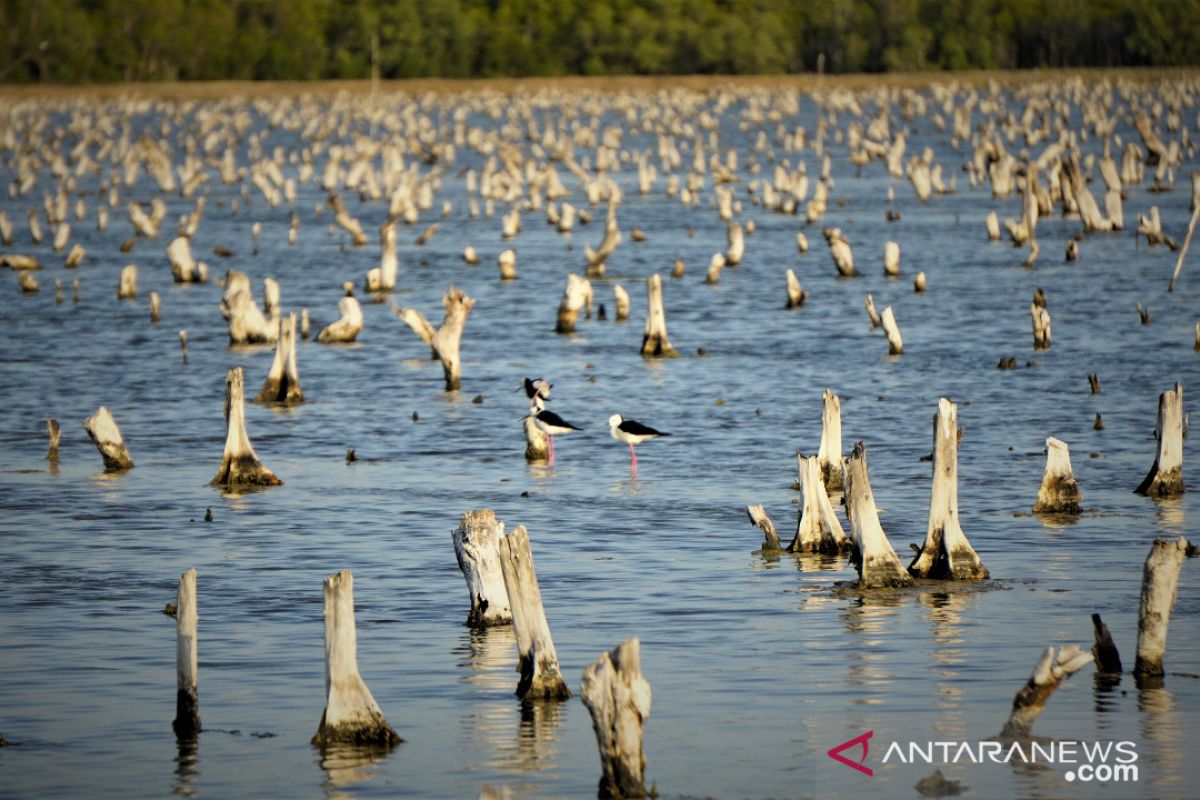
[
  {"x": 818, "y": 529},
  {"x": 715, "y": 265},
  {"x": 346, "y": 222},
  {"x": 477, "y": 548},
  {"x": 54, "y": 430},
  {"x": 993, "y": 227},
  {"x": 1094, "y": 382},
  {"x": 919, "y": 282},
  {"x": 576, "y": 297},
  {"x": 839, "y": 250},
  {"x": 736, "y": 240},
  {"x": 183, "y": 345},
  {"x": 888, "y": 321},
  {"x": 946, "y": 553},
  {"x": 155, "y": 306},
  {"x": 1150, "y": 226},
  {"x": 1165, "y": 477},
  {"x": 537, "y": 441},
  {"x": 187, "y": 670},
  {"x": 795, "y": 295},
  {"x": 869, "y": 303},
  {"x": 75, "y": 257},
  {"x": 872, "y": 554},
  {"x": 184, "y": 268},
  {"x": 1160, "y": 577},
  {"x": 444, "y": 342},
  {"x": 1029, "y": 703},
  {"x": 1041, "y": 327},
  {"x": 618, "y": 697},
  {"x": 829, "y": 456},
  {"x": 541, "y": 678},
  {"x": 127, "y": 288},
  {"x": 759, "y": 518},
  {"x": 1104, "y": 651},
  {"x": 283, "y": 380},
  {"x": 27, "y": 282},
  {"x": 1059, "y": 493},
  {"x": 383, "y": 277},
  {"x": 239, "y": 464},
  {"x": 654, "y": 340},
  {"x": 351, "y": 714},
  {"x": 621, "y": 301},
  {"x": 247, "y": 325},
  {"x": 891, "y": 259},
  {"x": 347, "y": 326},
  {"x": 103, "y": 430},
  {"x": 508, "y": 265}
]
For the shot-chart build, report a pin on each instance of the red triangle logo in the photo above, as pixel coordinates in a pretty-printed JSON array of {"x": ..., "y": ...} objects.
[{"x": 836, "y": 752}]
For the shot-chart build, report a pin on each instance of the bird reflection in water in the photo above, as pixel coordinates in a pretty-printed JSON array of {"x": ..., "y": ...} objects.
[
  {"x": 348, "y": 765},
  {"x": 187, "y": 765}
]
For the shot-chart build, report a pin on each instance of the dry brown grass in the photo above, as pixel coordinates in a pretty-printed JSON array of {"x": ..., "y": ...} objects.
[{"x": 208, "y": 90}]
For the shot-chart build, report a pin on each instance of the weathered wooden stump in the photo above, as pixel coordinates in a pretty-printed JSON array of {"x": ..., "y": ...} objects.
[
  {"x": 1104, "y": 651},
  {"x": 1029, "y": 703},
  {"x": 1059, "y": 493},
  {"x": 946, "y": 553},
  {"x": 795, "y": 295},
  {"x": 127, "y": 288},
  {"x": 1160, "y": 577},
  {"x": 283, "y": 380},
  {"x": 351, "y": 714},
  {"x": 541, "y": 678},
  {"x": 759, "y": 518},
  {"x": 576, "y": 297},
  {"x": 477, "y": 548},
  {"x": 348, "y": 325},
  {"x": 888, "y": 321},
  {"x": 654, "y": 340},
  {"x": 872, "y": 555},
  {"x": 239, "y": 464},
  {"x": 187, "y": 670},
  {"x": 444, "y": 342},
  {"x": 103, "y": 430},
  {"x": 818, "y": 530},
  {"x": 829, "y": 456},
  {"x": 1165, "y": 477},
  {"x": 619, "y": 698},
  {"x": 54, "y": 430},
  {"x": 621, "y": 302}
]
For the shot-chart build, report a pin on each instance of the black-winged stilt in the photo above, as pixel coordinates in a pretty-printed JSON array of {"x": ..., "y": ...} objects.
[
  {"x": 552, "y": 424},
  {"x": 631, "y": 432},
  {"x": 537, "y": 387}
]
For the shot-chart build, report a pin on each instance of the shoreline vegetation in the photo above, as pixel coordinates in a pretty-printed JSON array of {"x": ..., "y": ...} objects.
[
  {"x": 205, "y": 90},
  {"x": 103, "y": 41}
]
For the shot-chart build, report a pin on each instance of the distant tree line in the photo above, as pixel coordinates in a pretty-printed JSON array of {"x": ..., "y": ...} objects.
[{"x": 113, "y": 40}]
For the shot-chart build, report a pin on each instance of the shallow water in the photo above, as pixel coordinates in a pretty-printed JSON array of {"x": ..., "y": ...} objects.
[{"x": 757, "y": 664}]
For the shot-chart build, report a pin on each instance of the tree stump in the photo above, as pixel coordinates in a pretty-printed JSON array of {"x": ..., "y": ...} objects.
[
  {"x": 619, "y": 698},
  {"x": 477, "y": 548},
  {"x": 187, "y": 670},
  {"x": 541, "y": 678},
  {"x": 103, "y": 430}
]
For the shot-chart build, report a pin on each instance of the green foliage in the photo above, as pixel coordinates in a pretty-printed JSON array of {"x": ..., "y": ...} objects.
[{"x": 115, "y": 40}]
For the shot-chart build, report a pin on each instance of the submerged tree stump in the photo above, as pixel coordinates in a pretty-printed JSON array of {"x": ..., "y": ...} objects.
[
  {"x": 1059, "y": 493},
  {"x": 1104, "y": 651},
  {"x": 541, "y": 678},
  {"x": 54, "y": 430},
  {"x": 1165, "y": 477},
  {"x": 872, "y": 555},
  {"x": 444, "y": 342},
  {"x": 946, "y": 553},
  {"x": 1160, "y": 577},
  {"x": 537, "y": 441},
  {"x": 283, "y": 380},
  {"x": 795, "y": 295},
  {"x": 1029, "y": 703},
  {"x": 351, "y": 714},
  {"x": 348, "y": 325},
  {"x": 830, "y": 454},
  {"x": 477, "y": 548},
  {"x": 239, "y": 464},
  {"x": 760, "y": 520},
  {"x": 187, "y": 670},
  {"x": 103, "y": 430},
  {"x": 619, "y": 698},
  {"x": 888, "y": 321},
  {"x": 576, "y": 297},
  {"x": 818, "y": 529},
  {"x": 654, "y": 340}
]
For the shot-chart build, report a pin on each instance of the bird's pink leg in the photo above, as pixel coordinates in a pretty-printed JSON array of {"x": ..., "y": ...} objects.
[
  {"x": 550, "y": 445},
  {"x": 632, "y": 458}
]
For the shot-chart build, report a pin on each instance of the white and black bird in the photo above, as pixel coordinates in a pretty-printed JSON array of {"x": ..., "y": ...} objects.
[
  {"x": 631, "y": 432},
  {"x": 537, "y": 388},
  {"x": 549, "y": 422}
]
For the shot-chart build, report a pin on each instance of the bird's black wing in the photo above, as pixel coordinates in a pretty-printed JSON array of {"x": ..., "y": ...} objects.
[
  {"x": 635, "y": 428},
  {"x": 550, "y": 418}
]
